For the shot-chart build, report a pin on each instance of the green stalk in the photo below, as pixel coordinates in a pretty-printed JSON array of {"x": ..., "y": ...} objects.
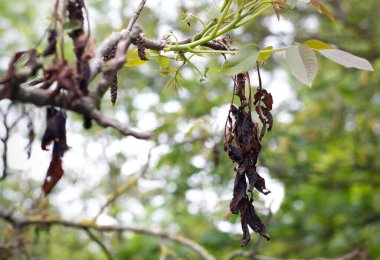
[
  {"x": 225, "y": 12},
  {"x": 241, "y": 23}
]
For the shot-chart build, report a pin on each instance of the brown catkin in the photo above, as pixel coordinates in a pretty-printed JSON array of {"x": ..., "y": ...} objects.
[
  {"x": 141, "y": 49},
  {"x": 113, "y": 87},
  {"x": 113, "y": 90}
]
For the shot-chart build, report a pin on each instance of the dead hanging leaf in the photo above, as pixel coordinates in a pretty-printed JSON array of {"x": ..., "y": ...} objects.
[
  {"x": 254, "y": 221},
  {"x": 54, "y": 174},
  {"x": 235, "y": 154},
  {"x": 268, "y": 101},
  {"x": 240, "y": 188},
  {"x": 55, "y": 132},
  {"x": 244, "y": 222},
  {"x": 55, "y": 128},
  {"x": 52, "y": 43},
  {"x": 249, "y": 218},
  {"x": 260, "y": 185},
  {"x": 241, "y": 129},
  {"x": 240, "y": 86}
]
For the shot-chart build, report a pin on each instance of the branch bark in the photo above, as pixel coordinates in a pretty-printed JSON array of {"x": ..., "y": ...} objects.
[{"x": 23, "y": 222}]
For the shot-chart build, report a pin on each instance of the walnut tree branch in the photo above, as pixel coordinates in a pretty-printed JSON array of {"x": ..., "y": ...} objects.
[
  {"x": 22, "y": 222},
  {"x": 86, "y": 105}
]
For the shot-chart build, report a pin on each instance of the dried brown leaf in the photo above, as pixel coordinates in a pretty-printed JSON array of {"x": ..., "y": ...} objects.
[
  {"x": 240, "y": 187},
  {"x": 52, "y": 43},
  {"x": 53, "y": 175}
]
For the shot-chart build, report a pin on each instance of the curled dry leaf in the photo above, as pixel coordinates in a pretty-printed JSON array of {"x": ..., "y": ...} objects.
[
  {"x": 52, "y": 43},
  {"x": 55, "y": 133}
]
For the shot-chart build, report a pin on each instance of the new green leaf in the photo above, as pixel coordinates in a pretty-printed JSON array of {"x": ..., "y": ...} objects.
[
  {"x": 347, "y": 59},
  {"x": 265, "y": 53},
  {"x": 302, "y": 63},
  {"x": 243, "y": 61},
  {"x": 133, "y": 59},
  {"x": 317, "y": 45}
]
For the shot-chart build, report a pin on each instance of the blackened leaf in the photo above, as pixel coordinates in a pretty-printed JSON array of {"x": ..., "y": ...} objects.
[
  {"x": 235, "y": 154},
  {"x": 55, "y": 130},
  {"x": 244, "y": 222},
  {"x": 268, "y": 101},
  {"x": 260, "y": 185},
  {"x": 240, "y": 86},
  {"x": 239, "y": 194},
  {"x": 51, "y": 128},
  {"x": 54, "y": 174},
  {"x": 254, "y": 221},
  {"x": 270, "y": 121},
  {"x": 258, "y": 94},
  {"x": 52, "y": 40},
  {"x": 252, "y": 178}
]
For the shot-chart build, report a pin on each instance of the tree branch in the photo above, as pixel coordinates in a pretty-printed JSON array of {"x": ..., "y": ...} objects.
[
  {"x": 86, "y": 105},
  {"x": 22, "y": 222}
]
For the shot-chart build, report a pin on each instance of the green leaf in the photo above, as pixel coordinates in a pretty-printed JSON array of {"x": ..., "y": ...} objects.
[
  {"x": 133, "y": 59},
  {"x": 317, "y": 45},
  {"x": 346, "y": 59},
  {"x": 243, "y": 61},
  {"x": 164, "y": 62},
  {"x": 302, "y": 63},
  {"x": 264, "y": 56}
]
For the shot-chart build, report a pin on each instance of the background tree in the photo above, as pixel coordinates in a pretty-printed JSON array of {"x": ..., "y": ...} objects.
[{"x": 326, "y": 138}]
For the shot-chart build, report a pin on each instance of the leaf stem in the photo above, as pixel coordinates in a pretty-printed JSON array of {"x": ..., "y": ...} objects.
[
  {"x": 233, "y": 52},
  {"x": 241, "y": 23},
  {"x": 225, "y": 12},
  {"x": 199, "y": 19},
  {"x": 192, "y": 64}
]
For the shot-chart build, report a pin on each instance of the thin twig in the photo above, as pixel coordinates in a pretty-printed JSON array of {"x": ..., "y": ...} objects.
[
  {"x": 8, "y": 128},
  {"x": 100, "y": 243},
  {"x": 136, "y": 15}
]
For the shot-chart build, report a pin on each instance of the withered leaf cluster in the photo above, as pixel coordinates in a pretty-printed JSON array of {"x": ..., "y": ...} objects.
[
  {"x": 243, "y": 145},
  {"x": 59, "y": 77}
]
